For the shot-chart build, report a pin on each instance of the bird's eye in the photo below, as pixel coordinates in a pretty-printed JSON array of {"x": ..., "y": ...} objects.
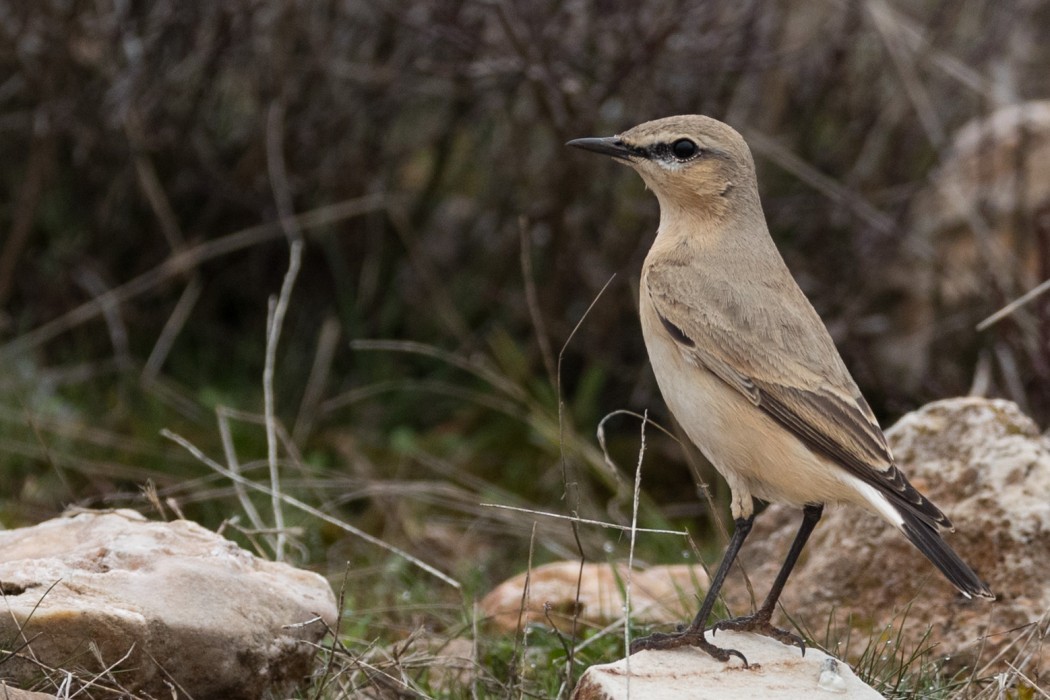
[{"x": 683, "y": 149}]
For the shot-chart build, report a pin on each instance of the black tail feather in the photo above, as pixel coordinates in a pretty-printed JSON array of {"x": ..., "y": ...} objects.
[{"x": 929, "y": 542}]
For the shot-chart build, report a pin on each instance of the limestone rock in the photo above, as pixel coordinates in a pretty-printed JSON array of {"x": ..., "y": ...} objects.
[
  {"x": 170, "y": 604},
  {"x": 660, "y": 594},
  {"x": 777, "y": 671},
  {"x": 998, "y": 166},
  {"x": 453, "y": 664},
  {"x": 8, "y": 693},
  {"x": 979, "y": 218},
  {"x": 987, "y": 467}
]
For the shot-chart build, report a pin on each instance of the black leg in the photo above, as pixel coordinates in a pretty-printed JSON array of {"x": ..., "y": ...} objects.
[
  {"x": 759, "y": 622},
  {"x": 694, "y": 634}
]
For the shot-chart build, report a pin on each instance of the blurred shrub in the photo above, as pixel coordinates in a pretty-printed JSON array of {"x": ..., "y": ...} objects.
[{"x": 132, "y": 131}]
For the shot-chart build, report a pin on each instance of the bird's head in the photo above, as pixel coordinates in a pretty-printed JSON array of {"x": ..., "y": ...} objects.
[{"x": 691, "y": 162}]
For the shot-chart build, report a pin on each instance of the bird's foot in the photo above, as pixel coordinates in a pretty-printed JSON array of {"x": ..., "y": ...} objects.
[
  {"x": 759, "y": 623},
  {"x": 685, "y": 637}
]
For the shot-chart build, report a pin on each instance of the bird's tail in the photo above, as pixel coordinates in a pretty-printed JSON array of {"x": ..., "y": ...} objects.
[{"x": 929, "y": 542}]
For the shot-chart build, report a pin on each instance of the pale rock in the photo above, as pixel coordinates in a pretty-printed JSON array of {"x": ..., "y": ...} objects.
[
  {"x": 979, "y": 218},
  {"x": 452, "y": 665},
  {"x": 171, "y": 604},
  {"x": 560, "y": 593},
  {"x": 776, "y": 672},
  {"x": 985, "y": 464},
  {"x": 998, "y": 165},
  {"x": 9, "y": 693}
]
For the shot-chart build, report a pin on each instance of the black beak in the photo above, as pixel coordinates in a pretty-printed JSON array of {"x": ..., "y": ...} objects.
[{"x": 608, "y": 146}]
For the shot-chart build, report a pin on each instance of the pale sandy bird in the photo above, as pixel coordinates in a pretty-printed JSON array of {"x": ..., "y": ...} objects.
[{"x": 748, "y": 368}]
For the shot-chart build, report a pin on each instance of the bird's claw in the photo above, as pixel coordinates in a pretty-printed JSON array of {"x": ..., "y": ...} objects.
[
  {"x": 686, "y": 637},
  {"x": 759, "y": 624}
]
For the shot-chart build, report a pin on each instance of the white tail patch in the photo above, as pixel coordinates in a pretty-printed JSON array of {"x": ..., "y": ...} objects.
[{"x": 875, "y": 499}]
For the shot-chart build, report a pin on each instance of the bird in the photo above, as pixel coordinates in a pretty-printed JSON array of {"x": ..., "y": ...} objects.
[{"x": 748, "y": 369}]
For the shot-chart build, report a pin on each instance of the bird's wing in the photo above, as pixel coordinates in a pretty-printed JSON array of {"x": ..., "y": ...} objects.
[{"x": 783, "y": 360}]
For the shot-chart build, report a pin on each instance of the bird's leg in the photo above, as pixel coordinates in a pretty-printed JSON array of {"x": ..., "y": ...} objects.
[
  {"x": 693, "y": 635},
  {"x": 759, "y": 621}
]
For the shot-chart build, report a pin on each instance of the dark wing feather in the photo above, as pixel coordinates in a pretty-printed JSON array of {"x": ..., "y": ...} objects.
[{"x": 789, "y": 406}]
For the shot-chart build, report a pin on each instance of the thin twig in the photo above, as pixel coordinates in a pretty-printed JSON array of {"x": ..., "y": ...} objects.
[
  {"x": 38, "y": 166},
  {"x": 275, "y": 318},
  {"x": 440, "y": 300},
  {"x": 611, "y": 467},
  {"x": 45, "y": 450},
  {"x": 521, "y": 643},
  {"x": 582, "y": 521},
  {"x": 830, "y": 188},
  {"x": 275, "y": 322},
  {"x": 107, "y": 670},
  {"x": 149, "y": 182},
  {"x": 327, "y": 340},
  {"x": 222, "y": 416},
  {"x": 334, "y": 634},
  {"x": 914, "y": 35},
  {"x": 91, "y": 281},
  {"x": 624, "y": 412},
  {"x": 630, "y": 552},
  {"x": 308, "y": 509},
  {"x": 475, "y": 367},
  {"x": 892, "y": 38},
  {"x": 533, "y": 303},
  {"x": 177, "y": 319},
  {"x": 1026, "y": 298},
  {"x": 996, "y": 256},
  {"x": 180, "y": 263},
  {"x": 571, "y": 491}
]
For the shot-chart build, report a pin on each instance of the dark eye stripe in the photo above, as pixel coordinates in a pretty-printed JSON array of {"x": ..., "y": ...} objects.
[{"x": 681, "y": 150}]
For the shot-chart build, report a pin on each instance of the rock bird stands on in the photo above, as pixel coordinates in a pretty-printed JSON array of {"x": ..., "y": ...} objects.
[{"x": 748, "y": 368}]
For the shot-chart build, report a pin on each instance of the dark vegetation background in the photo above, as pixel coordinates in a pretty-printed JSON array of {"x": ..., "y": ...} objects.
[{"x": 422, "y": 144}]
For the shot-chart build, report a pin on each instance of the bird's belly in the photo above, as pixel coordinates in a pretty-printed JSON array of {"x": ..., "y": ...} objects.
[{"x": 751, "y": 450}]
